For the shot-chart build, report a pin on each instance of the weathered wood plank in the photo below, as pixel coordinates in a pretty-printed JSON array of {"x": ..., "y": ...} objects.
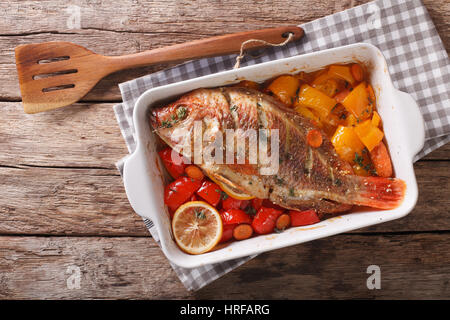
[
  {"x": 125, "y": 268},
  {"x": 412, "y": 266},
  {"x": 82, "y": 135},
  {"x": 443, "y": 153},
  {"x": 55, "y": 201},
  {"x": 199, "y": 17},
  {"x": 136, "y": 26},
  {"x": 65, "y": 201}
]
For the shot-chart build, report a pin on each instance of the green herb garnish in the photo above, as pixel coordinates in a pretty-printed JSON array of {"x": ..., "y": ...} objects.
[
  {"x": 199, "y": 214},
  {"x": 181, "y": 113},
  {"x": 291, "y": 192},
  {"x": 223, "y": 195},
  {"x": 279, "y": 181},
  {"x": 359, "y": 160},
  {"x": 250, "y": 211}
]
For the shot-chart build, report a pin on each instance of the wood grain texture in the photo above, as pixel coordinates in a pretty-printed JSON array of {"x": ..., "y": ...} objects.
[
  {"x": 58, "y": 180},
  {"x": 83, "y": 135},
  {"x": 55, "y": 201},
  {"x": 65, "y": 201},
  {"x": 136, "y": 26},
  {"x": 412, "y": 267},
  {"x": 416, "y": 266}
]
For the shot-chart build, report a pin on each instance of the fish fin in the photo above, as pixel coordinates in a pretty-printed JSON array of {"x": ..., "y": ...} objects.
[{"x": 381, "y": 193}]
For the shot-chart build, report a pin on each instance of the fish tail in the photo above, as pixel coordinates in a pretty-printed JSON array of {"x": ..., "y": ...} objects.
[{"x": 380, "y": 193}]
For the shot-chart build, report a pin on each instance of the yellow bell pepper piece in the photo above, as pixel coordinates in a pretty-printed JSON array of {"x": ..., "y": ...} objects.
[
  {"x": 351, "y": 120},
  {"x": 376, "y": 119},
  {"x": 369, "y": 134},
  {"x": 316, "y": 100},
  {"x": 357, "y": 102},
  {"x": 346, "y": 143},
  {"x": 285, "y": 88},
  {"x": 342, "y": 72},
  {"x": 325, "y": 84},
  {"x": 304, "y": 111}
]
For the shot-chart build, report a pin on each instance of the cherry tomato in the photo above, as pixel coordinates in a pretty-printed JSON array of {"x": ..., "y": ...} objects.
[
  {"x": 235, "y": 216},
  {"x": 210, "y": 192},
  {"x": 179, "y": 191},
  {"x": 265, "y": 219},
  {"x": 303, "y": 218},
  {"x": 257, "y": 203},
  {"x": 231, "y": 203},
  {"x": 174, "y": 169},
  {"x": 227, "y": 233}
]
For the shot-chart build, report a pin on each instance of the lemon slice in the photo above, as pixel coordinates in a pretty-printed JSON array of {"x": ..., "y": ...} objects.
[
  {"x": 197, "y": 227},
  {"x": 232, "y": 193}
]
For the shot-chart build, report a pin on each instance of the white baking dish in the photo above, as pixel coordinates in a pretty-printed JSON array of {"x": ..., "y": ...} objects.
[{"x": 403, "y": 127}]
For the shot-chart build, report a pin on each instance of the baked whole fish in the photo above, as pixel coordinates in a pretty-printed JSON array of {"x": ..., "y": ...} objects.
[{"x": 305, "y": 177}]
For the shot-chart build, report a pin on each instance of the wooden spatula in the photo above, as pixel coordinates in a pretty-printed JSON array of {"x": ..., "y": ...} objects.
[{"x": 57, "y": 74}]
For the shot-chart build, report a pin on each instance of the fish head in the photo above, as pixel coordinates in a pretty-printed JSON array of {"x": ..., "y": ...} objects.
[{"x": 174, "y": 122}]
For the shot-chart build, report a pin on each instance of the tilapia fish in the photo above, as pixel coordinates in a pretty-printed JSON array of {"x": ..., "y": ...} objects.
[{"x": 306, "y": 177}]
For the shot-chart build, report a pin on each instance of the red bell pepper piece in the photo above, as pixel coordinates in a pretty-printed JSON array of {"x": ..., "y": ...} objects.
[
  {"x": 232, "y": 203},
  {"x": 210, "y": 192},
  {"x": 174, "y": 169},
  {"x": 179, "y": 191},
  {"x": 193, "y": 198},
  {"x": 265, "y": 219},
  {"x": 235, "y": 216},
  {"x": 227, "y": 233},
  {"x": 303, "y": 218},
  {"x": 257, "y": 203}
]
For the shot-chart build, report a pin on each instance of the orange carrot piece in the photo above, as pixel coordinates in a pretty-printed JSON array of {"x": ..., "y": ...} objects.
[
  {"x": 283, "y": 221},
  {"x": 242, "y": 231},
  {"x": 194, "y": 172},
  {"x": 357, "y": 72},
  {"x": 314, "y": 138},
  {"x": 381, "y": 160}
]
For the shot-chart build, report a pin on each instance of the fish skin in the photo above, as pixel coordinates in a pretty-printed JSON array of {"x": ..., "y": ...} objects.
[{"x": 307, "y": 177}]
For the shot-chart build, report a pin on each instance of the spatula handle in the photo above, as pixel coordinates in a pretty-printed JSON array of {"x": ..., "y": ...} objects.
[{"x": 226, "y": 44}]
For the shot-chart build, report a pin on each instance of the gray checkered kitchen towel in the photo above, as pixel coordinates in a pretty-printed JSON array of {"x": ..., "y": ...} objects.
[{"x": 402, "y": 30}]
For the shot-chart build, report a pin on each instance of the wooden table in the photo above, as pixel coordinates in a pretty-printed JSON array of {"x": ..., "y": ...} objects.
[{"x": 63, "y": 207}]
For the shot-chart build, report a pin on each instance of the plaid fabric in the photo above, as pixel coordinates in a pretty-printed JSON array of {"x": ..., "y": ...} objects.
[{"x": 402, "y": 30}]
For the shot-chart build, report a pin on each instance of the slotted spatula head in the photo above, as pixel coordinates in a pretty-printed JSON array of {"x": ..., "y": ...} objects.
[{"x": 56, "y": 74}]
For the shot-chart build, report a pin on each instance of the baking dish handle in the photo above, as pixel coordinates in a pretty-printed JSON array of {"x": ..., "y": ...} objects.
[
  {"x": 137, "y": 187},
  {"x": 415, "y": 126}
]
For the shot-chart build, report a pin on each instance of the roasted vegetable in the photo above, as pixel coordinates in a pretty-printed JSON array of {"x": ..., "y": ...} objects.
[
  {"x": 357, "y": 102},
  {"x": 357, "y": 72},
  {"x": 285, "y": 88},
  {"x": 381, "y": 160},
  {"x": 369, "y": 134},
  {"x": 376, "y": 119},
  {"x": 346, "y": 143},
  {"x": 303, "y": 218},
  {"x": 326, "y": 84},
  {"x": 342, "y": 72},
  {"x": 175, "y": 169},
  {"x": 316, "y": 100}
]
